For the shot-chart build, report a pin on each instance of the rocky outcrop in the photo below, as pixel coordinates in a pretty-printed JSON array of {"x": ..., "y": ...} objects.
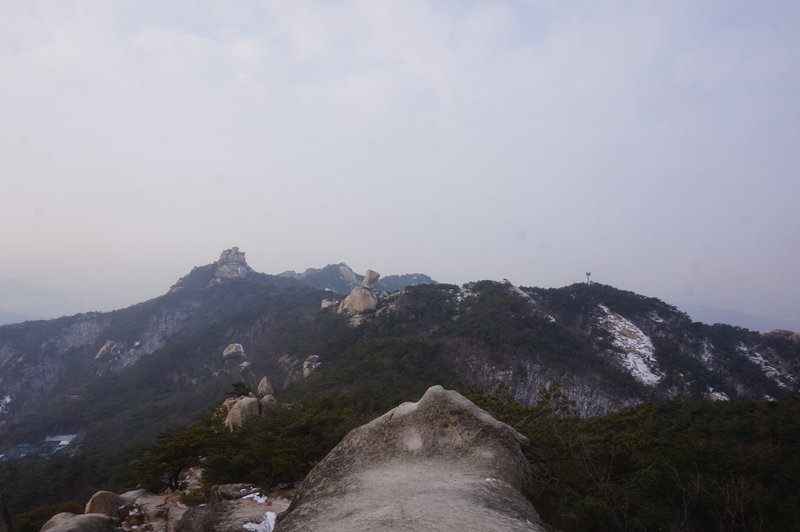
[
  {"x": 297, "y": 368},
  {"x": 362, "y": 298},
  {"x": 438, "y": 464},
  {"x": 231, "y": 265},
  {"x": 67, "y": 522},
  {"x": 371, "y": 280},
  {"x": 240, "y": 409},
  {"x": 264, "y": 387},
  {"x": 232, "y": 508}
]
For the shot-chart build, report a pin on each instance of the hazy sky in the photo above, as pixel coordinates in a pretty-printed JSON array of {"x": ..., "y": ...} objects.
[{"x": 655, "y": 144}]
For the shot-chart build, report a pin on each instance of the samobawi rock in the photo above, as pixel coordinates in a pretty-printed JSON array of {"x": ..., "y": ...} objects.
[
  {"x": 239, "y": 410},
  {"x": 439, "y": 464},
  {"x": 371, "y": 280},
  {"x": 264, "y": 387},
  {"x": 360, "y": 299}
]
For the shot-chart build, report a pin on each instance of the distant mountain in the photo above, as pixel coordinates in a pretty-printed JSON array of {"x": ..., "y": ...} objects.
[
  {"x": 340, "y": 278},
  {"x": 12, "y": 317},
  {"x": 740, "y": 319},
  {"x": 29, "y": 301},
  {"x": 119, "y": 377}
]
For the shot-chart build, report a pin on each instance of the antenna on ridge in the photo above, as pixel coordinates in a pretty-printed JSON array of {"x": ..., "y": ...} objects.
[{"x": 587, "y": 277}]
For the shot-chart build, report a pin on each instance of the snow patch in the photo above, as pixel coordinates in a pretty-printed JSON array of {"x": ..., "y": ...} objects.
[
  {"x": 4, "y": 402},
  {"x": 259, "y": 497},
  {"x": 656, "y": 318},
  {"x": 634, "y": 348},
  {"x": 717, "y": 396},
  {"x": 264, "y": 526},
  {"x": 769, "y": 370}
]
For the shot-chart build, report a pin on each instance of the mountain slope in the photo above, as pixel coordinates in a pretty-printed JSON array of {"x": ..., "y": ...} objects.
[{"x": 126, "y": 375}]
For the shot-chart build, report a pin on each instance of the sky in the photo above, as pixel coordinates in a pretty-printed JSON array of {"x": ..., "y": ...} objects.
[{"x": 654, "y": 144}]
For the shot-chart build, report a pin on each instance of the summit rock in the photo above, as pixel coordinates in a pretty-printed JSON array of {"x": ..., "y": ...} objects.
[{"x": 438, "y": 464}]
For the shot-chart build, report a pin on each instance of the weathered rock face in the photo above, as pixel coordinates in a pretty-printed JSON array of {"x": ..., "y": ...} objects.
[
  {"x": 232, "y": 508},
  {"x": 106, "y": 503},
  {"x": 361, "y": 299},
  {"x": 231, "y": 265},
  {"x": 233, "y": 351},
  {"x": 67, "y": 522},
  {"x": 371, "y": 280},
  {"x": 264, "y": 387},
  {"x": 439, "y": 464},
  {"x": 242, "y": 408}
]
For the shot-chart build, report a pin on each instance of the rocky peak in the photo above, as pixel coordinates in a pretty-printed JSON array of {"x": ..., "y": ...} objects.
[{"x": 231, "y": 265}]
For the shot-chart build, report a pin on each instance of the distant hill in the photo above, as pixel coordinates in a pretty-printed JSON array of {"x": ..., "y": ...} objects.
[
  {"x": 12, "y": 317},
  {"x": 20, "y": 301},
  {"x": 340, "y": 278},
  {"x": 732, "y": 317}
]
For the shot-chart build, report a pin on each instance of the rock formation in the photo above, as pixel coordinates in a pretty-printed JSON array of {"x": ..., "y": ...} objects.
[
  {"x": 230, "y": 507},
  {"x": 231, "y": 265},
  {"x": 297, "y": 368},
  {"x": 240, "y": 409},
  {"x": 362, "y": 298},
  {"x": 233, "y": 351},
  {"x": 439, "y": 464}
]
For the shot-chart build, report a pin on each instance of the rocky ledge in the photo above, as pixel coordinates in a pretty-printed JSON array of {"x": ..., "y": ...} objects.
[{"x": 438, "y": 464}]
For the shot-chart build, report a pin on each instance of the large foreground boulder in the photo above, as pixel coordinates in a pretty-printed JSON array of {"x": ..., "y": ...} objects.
[
  {"x": 438, "y": 464},
  {"x": 68, "y": 522}
]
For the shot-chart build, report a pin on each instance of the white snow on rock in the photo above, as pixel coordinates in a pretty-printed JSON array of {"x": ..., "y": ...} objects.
[
  {"x": 4, "y": 402},
  {"x": 656, "y": 318},
  {"x": 634, "y": 348},
  {"x": 717, "y": 396},
  {"x": 768, "y": 369},
  {"x": 264, "y": 526}
]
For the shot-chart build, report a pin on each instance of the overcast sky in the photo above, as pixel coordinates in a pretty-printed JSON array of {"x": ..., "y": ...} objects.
[{"x": 655, "y": 144}]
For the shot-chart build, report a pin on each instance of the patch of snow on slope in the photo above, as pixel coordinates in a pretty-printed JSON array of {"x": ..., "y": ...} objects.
[
  {"x": 4, "y": 402},
  {"x": 717, "y": 396},
  {"x": 707, "y": 354},
  {"x": 634, "y": 347},
  {"x": 656, "y": 318},
  {"x": 768, "y": 369},
  {"x": 264, "y": 526}
]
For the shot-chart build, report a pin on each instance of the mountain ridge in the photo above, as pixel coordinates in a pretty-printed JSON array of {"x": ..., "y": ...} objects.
[{"x": 159, "y": 362}]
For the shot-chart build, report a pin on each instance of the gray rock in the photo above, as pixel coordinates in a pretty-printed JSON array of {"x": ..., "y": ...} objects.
[
  {"x": 67, "y": 522},
  {"x": 233, "y": 351},
  {"x": 241, "y": 410},
  {"x": 231, "y": 265},
  {"x": 266, "y": 402},
  {"x": 371, "y": 280},
  {"x": 439, "y": 464},
  {"x": 264, "y": 388},
  {"x": 361, "y": 299},
  {"x": 106, "y": 503}
]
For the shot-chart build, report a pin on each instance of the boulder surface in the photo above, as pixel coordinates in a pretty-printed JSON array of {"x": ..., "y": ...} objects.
[{"x": 438, "y": 464}]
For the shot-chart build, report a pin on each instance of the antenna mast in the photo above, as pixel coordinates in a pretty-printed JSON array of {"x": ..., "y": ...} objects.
[{"x": 587, "y": 277}]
